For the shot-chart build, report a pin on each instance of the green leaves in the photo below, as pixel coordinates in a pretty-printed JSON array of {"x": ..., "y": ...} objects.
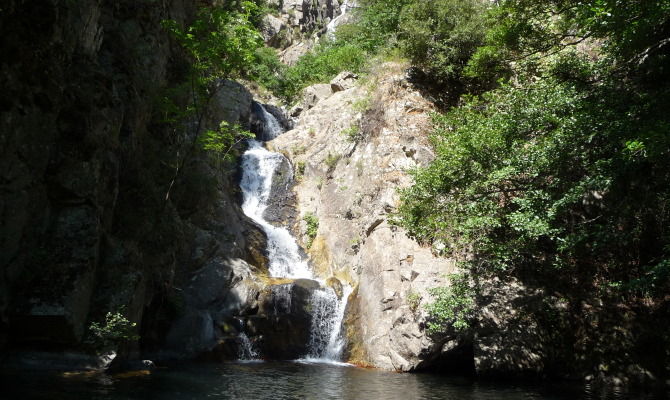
[
  {"x": 223, "y": 141},
  {"x": 441, "y": 36},
  {"x": 222, "y": 43},
  {"x": 115, "y": 330},
  {"x": 549, "y": 174},
  {"x": 312, "y": 222},
  {"x": 453, "y": 306}
]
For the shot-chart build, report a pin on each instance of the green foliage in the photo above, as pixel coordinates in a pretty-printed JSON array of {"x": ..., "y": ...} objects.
[
  {"x": 414, "y": 301},
  {"x": 332, "y": 160},
  {"x": 564, "y": 170},
  {"x": 377, "y": 25},
  {"x": 375, "y": 29},
  {"x": 266, "y": 70},
  {"x": 440, "y": 36},
  {"x": 320, "y": 65},
  {"x": 362, "y": 105},
  {"x": 221, "y": 42},
  {"x": 115, "y": 330},
  {"x": 453, "y": 306},
  {"x": 312, "y": 222},
  {"x": 224, "y": 141},
  {"x": 299, "y": 170},
  {"x": 353, "y": 133}
]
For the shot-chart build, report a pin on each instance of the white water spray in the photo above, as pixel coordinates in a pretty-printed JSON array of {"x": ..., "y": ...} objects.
[
  {"x": 269, "y": 126},
  {"x": 259, "y": 166},
  {"x": 247, "y": 351},
  {"x": 327, "y": 339},
  {"x": 335, "y": 22}
]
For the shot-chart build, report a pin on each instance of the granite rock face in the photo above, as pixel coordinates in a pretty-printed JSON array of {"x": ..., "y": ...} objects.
[{"x": 350, "y": 183}]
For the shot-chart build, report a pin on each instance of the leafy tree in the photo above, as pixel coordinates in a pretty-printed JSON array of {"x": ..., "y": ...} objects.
[
  {"x": 562, "y": 171},
  {"x": 222, "y": 43},
  {"x": 441, "y": 36},
  {"x": 453, "y": 306}
]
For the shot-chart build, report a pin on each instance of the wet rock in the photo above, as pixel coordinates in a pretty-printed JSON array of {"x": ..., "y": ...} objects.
[
  {"x": 192, "y": 334},
  {"x": 336, "y": 285},
  {"x": 281, "y": 116},
  {"x": 282, "y": 327}
]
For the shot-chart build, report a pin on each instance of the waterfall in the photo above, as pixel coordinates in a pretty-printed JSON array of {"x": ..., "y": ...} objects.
[
  {"x": 327, "y": 339},
  {"x": 332, "y": 25},
  {"x": 259, "y": 167},
  {"x": 246, "y": 350},
  {"x": 267, "y": 125}
]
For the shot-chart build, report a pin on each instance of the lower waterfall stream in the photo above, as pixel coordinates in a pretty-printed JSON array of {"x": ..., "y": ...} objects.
[{"x": 259, "y": 167}]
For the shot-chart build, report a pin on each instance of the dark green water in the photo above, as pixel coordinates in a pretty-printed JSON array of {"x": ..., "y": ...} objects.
[{"x": 287, "y": 380}]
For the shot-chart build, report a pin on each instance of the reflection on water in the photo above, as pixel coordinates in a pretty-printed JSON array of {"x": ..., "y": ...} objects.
[{"x": 277, "y": 381}]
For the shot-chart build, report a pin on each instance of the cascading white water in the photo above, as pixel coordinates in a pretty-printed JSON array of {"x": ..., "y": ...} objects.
[
  {"x": 332, "y": 25},
  {"x": 269, "y": 126},
  {"x": 259, "y": 166},
  {"x": 326, "y": 339},
  {"x": 246, "y": 351}
]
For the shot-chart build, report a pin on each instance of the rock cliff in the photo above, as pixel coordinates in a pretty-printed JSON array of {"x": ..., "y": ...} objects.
[
  {"x": 298, "y": 24},
  {"x": 354, "y": 147},
  {"x": 86, "y": 223}
]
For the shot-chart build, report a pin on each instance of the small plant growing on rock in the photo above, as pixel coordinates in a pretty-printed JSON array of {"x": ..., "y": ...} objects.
[
  {"x": 312, "y": 227},
  {"x": 356, "y": 244},
  {"x": 332, "y": 160},
  {"x": 353, "y": 133},
  {"x": 116, "y": 329},
  {"x": 362, "y": 104},
  {"x": 223, "y": 142},
  {"x": 298, "y": 150},
  {"x": 299, "y": 170},
  {"x": 413, "y": 300}
]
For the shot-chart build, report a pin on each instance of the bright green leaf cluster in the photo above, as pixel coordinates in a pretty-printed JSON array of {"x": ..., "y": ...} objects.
[{"x": 115, "y": 330}]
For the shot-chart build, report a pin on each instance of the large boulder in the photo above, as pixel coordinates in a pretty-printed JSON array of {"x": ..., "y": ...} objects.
[
  {"x": 352, "y": 188},
  {"x": 219, "y": 292},
  {"x": 311, "y": 95},
  {"x": 282, "y": 326},
  {"x": 270, "y": 28},
  {"x": 343, "y": 81}
]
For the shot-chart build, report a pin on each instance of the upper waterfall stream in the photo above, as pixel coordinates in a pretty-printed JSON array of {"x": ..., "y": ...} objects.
[{"x": 259, "y": 167}]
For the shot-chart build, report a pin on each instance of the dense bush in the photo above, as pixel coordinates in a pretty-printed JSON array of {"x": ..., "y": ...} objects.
[
  {"x": 562, "y": 171},
  {"x": 440, "y": 36}
]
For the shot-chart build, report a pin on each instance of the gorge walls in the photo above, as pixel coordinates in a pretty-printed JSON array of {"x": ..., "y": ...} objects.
[{"x": 88, "y": 221}]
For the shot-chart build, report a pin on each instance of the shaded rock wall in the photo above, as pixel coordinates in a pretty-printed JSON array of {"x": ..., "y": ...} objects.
[{"x": 86, "y": 164}]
